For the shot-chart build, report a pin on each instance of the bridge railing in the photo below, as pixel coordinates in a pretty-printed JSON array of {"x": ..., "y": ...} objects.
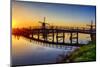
[{"x": 17, "y": 30}]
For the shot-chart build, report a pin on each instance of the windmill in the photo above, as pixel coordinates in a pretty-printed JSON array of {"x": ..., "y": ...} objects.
[
  {"x": 92, "y": 29},
  {"x": 91, "y": 25},
  {"x": 43, "y": 23},
  {"x": 44, "y": 32}
]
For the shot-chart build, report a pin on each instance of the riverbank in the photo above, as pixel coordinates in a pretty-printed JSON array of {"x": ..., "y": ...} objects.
[{"x": 82, "y": 54}]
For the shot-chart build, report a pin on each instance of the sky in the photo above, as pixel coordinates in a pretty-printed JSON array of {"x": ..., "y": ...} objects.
[{"x": 25, "y": 14}]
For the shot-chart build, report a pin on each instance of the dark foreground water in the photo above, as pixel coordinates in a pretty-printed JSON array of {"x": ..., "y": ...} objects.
[{"x": 25, "y": 51}]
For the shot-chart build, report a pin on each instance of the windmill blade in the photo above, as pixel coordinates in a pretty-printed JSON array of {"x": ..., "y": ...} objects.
[
  {"x": 44, "y": 22},
  {"x": 47, "y": 23},
  {"x": 40, "y": 22}
]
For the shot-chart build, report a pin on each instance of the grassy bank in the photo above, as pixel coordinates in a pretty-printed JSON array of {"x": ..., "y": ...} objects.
[{"x": 84, "y": 53}]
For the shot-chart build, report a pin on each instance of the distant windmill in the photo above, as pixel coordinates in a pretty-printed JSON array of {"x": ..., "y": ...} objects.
[
  {"x": 43, "y": 23},
  {"x": 91, "y": 25},
  {"x": 92, "y": 29},
  {"x": 44, "y": 32}
]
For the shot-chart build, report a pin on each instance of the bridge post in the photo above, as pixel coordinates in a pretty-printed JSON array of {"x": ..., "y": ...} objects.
[
  {"x": 63, "y": 37},
  {"x": 30, "y": 32},
  {"x": 93, "y": 37},
  {"x": 38, "y": 34},
  {"x": 57, "y": 36},
  {"x": 46, "y": 34},
  {"x": 52, "y": 35},
  {"x": 91, "y": 30},
  {"x": 32, "y": 35},
  {"x": 71, "y": 37},
  {"x": 77, "y": 36}
]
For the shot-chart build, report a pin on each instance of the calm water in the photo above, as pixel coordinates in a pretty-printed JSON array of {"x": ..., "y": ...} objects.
[{"x": 26, "y": 51}]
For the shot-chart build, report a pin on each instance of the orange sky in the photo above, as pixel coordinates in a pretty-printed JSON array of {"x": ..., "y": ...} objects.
[{"x": 24, "y": 15}]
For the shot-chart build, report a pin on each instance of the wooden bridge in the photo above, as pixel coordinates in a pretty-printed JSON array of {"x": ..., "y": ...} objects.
[{"x": 56, "y": 33}]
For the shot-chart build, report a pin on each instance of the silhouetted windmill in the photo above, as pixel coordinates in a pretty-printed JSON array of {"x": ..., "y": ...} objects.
[
  {"x": 43, "y": 23},
  {"x": 91, "y": 25},
  {"x": 92, "y": 30},
  {"x": 44, "y": 33}
]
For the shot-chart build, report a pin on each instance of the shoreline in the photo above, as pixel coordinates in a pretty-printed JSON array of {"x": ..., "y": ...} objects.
[{"x": 83, "y": 54}]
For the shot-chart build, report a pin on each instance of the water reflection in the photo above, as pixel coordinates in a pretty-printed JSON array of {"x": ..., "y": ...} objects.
[
  {"x": 83, "y": 38},
  {"x": 26, "y": 51}
]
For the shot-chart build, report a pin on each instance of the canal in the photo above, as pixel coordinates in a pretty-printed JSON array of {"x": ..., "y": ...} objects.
[{"x": 30, "y": 52}]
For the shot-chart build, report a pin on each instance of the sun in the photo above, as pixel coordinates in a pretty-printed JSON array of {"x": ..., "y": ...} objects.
[{"x": 13, "y": 23}]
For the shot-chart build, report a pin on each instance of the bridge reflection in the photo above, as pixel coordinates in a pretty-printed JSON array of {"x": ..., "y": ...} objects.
[{"x": 37, "y": 43}]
